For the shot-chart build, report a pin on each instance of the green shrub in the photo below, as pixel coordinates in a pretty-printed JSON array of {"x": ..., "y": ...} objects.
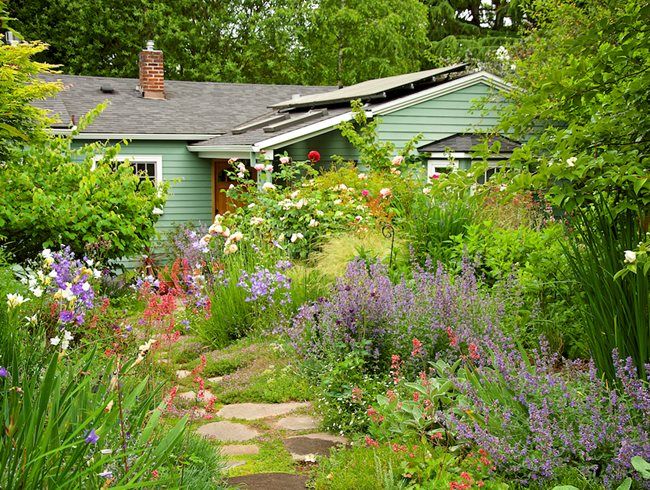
[
  {"x": 344, "y": 392},
  {"x": 62, "y": 195},
  {"x": 534, "y": 259}
]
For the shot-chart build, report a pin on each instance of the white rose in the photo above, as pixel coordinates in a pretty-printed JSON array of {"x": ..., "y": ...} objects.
[
  {"x": 630, "y": 256},
  {"x": 285, "y": 160}
]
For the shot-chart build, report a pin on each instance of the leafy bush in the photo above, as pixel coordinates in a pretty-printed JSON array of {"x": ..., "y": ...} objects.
[
  {"x": 294, "y": 212},
  {"x": 535, "y": 259},
  {"x": 434, "y": 223},
  {"x": 63, "y": 195},
  {"x": 249, "y": 292},
  {"x": 592, "y": 162}
]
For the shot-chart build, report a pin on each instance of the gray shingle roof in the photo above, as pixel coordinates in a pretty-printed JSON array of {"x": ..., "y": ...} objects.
[
  {"x": 464, "y": 142},
  {"x": 189, "y": 107},
  {"x": 256, "y": 135}
]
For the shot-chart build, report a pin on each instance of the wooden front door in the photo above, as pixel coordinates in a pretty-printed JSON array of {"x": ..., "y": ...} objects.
[{"x": 221, "y": 183}]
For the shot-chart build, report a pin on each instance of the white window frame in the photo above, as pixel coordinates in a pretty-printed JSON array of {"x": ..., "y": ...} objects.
[
  {"x": 157, "y": 159},
  {"x": 450, "y": 160}
]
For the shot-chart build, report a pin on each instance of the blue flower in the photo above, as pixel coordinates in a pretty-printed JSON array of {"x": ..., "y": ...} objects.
[{"x": 92, "y": 437}]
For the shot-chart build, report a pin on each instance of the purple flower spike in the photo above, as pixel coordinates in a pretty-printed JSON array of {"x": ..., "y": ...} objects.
[{"x": 92, "y": 437}]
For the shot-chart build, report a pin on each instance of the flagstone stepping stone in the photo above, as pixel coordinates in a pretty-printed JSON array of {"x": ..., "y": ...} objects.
[
  {"x": 189, "y": 396},
  {"x": 240, "y": 450},
  {"x": 233, "y": 464},
  {"x": 216, "y": 379},
  {"x": 256, "y": 411},
  {"x": 227, "y": 431},
  {"x": 306, "y": 448},
  {"x": 270, "y": 481},
  {"x": 183, "y": 373},
  {"x": 297, "y": 422}
]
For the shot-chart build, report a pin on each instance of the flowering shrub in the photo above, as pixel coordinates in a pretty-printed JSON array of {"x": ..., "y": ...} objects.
[
  {"x": 68, "y": 281},
  {"x": 534, "y": 419},
  {"x": 368, "y": 312},
  {"x": 295, "y": 213}
]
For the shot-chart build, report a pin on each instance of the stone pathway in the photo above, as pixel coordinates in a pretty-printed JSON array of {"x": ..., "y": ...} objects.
[
  {"x": 257, "y": 411},
  {"x": 304, "y": 448},
  {"x": 225, "y": 431},
  {"x": 270, "y": 481},
  {"x": 246, "y": 431},
  {"x": 307, "y": 447}
]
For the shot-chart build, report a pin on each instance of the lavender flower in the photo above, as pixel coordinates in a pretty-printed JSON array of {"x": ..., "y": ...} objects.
[
  {"x": 91, "y": 437},
  {"x": 3, "y": 372}
]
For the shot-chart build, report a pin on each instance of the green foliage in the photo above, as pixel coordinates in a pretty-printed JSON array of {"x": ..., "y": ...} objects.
[
  {"x": 361, "y": 468},
  {"x": 462, "y": 30},
  {"x": 20, "y": 121},
  {"x": 434, "y": 225},
  {"x": 201, "y": 464},
  {"x": 343, "y": 388},
  {"x": 230, "y": 313},
  {"x": 535, "y": 259},
  {"x": 47, "y": 420},
  {"x": 331, "y": 42},
  {"x": 584, "y": 84},
  {"x": 64, "y": 195},
  {"x": 617, "y": 314},
  {"x": 352, "y": 41}
]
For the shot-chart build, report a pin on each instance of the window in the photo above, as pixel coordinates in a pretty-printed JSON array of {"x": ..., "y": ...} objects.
[
  {"x": 146, "y": 166},
  {"x": 440, "y": 166}
]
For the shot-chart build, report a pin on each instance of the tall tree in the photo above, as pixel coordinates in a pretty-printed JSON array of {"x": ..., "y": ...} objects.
[
  {"x": 467, "y": 30},
  {"x": 351, "y": 41}
]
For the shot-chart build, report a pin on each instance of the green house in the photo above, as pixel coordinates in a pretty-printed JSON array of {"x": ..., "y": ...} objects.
[{"x": 185, "y": 132}]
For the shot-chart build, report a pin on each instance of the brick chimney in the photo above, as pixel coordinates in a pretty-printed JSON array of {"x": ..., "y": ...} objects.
[{"x": 152, "y": 75}]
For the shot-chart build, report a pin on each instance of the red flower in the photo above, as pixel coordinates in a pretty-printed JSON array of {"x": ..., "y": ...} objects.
[
  {"x": 370, "y": 442},
  {"x": 417, "y": 347},
  {"x": 416, "y": 396},
  {"x": 453, "y": 340},
  {"x": 473, "y": 351},
  {"x": 155, "y": 474},
  {"x": 313, "y": 156}
]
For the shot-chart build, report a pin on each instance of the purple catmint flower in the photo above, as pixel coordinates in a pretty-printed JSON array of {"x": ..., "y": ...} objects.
[{"x": 91, "y": 437}]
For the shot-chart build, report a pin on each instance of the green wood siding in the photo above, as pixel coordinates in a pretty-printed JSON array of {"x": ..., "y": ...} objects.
[
  {"x": 190, "y": 179},
  {"x": 438, "y": 118},
  {"x": 435, "y": 119},
  {"x": 327, "y": 144}
]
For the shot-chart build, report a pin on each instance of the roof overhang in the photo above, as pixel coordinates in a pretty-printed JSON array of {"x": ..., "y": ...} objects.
[{"x": 224, "y": 151}]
